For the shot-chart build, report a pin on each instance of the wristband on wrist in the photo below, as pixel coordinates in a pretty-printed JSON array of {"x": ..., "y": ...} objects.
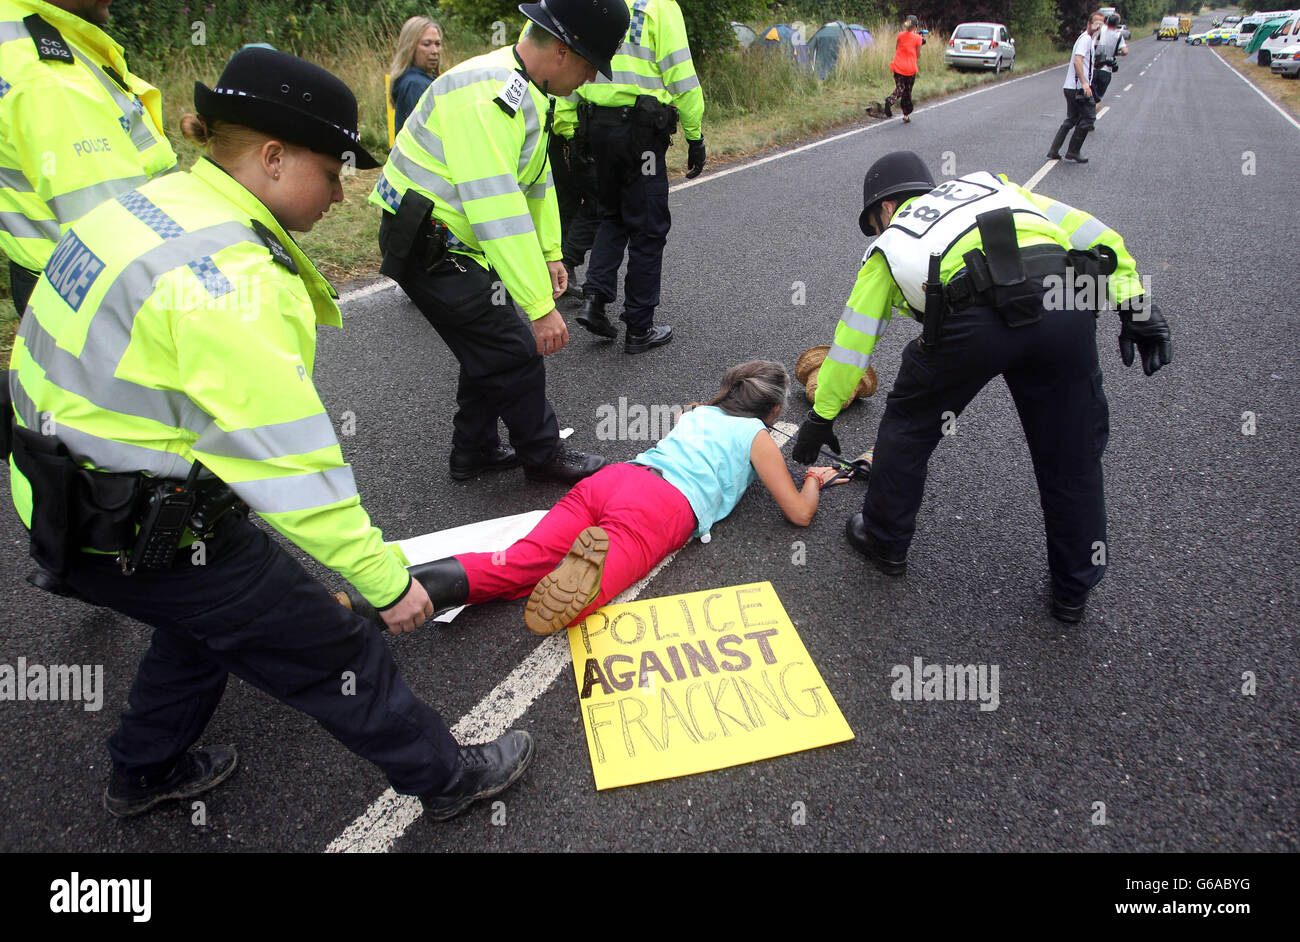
[{"x": 816, "y": 477}]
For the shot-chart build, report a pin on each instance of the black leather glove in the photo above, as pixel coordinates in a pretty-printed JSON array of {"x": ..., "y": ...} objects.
[
  {"x": 1148, "y": 330},
  {"x": 813, "y": 434},
  {"x": 694, "y": 158}
]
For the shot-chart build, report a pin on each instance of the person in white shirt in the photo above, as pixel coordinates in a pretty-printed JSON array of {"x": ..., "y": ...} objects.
[
  {"x": 1080, "y": 103},
  {"x": 1110, "y": 46}
]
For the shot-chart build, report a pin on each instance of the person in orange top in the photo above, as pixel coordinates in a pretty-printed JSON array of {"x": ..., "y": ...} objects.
[{"x": 910, "y": 41}]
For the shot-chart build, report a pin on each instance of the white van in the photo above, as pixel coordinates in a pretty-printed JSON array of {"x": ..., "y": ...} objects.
[
  {"x": 1251, "y": 23},
  {"x": 1285, "y": 40}
]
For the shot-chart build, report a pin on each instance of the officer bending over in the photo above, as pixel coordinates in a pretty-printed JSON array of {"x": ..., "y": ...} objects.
[{"x": 974, "y": 260}]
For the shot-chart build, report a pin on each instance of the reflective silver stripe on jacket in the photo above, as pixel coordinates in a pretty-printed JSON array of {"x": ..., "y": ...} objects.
[
  {"x": 849, "y": 357},
  {"x": 268, "y": 442},
  {"x": 70, "y": 207},
  {"x": 20, "y": 227},
  {"x": 297, "y": 491}
]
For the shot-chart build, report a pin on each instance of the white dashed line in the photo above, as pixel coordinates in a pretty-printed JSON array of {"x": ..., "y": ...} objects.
[
  {"x": 1042, "y": 172},
  {"x": 1128, "y": 86}
]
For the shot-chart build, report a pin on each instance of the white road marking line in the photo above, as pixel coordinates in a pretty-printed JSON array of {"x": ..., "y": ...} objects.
[
  {"x": 1275, "y": 106},
  {"x": 839, "y": 137},
  {"x": 1102, "y": 112},
  {"x": 357, "y": 293},
  {"x": 1128, "y": 86},
  {"x": 1143, "y": 72},
  {"x": 379, "y": 827},
  {"x": 1042, "y": 172}
]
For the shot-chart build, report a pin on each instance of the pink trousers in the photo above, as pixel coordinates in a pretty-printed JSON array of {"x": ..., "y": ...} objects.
[{"x": 645, "y": 517}]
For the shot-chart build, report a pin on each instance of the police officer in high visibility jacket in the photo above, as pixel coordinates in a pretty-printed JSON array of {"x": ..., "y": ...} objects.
[
  {"x": 76, "y": 127},
  {"x": 629, "y": 122},
  {"x": 1006, "y": 282},
  {"x": 469, "y": 208},
  {"x": 162, "y": 377}
]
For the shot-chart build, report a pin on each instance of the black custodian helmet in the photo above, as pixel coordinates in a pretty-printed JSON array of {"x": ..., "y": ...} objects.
[
  {"x": 594, "y": 29},
  {"x": 901, "y": 171}
]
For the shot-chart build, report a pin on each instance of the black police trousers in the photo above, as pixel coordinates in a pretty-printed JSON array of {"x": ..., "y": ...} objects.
[
  {"x": 575, "y": 192},
  {"x": 632, "y": 196},
  {"x": 1052, "y": 371},
  {"x": 252, "y": 611},
  {"x": 22, "y": 282},
  {"x": 502, "y": 376}
]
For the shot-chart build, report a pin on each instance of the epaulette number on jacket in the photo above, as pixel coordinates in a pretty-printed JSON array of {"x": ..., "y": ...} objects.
[
  {"x": 278, "y": 251},
  {"x": 511, "y": 97},
  {"x": 49, "y": 42}
]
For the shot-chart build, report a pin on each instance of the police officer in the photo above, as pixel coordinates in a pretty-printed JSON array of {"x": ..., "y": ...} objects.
[
  {"x": 76, "y": 127},
  {"x": 162, "y": 376},
  {"x": 1007, "y": 283},
  {"x": 469, "y": 208},
  {"x": 629, "y": 122}
]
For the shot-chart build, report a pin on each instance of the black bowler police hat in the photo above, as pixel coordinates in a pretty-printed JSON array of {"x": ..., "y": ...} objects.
[
  {"x": 594, "y": 29},
  {"x": 279, "y": 94}
]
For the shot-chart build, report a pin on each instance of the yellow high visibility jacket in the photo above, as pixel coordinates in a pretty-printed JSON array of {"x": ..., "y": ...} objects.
[
  {"x": 76, "y": 127},
  {"x": 655, "y": 59},
  {"x": 876, "y": 292},
  {"x": 476, "y": 145},
  {"x": 178, "y": 322}
]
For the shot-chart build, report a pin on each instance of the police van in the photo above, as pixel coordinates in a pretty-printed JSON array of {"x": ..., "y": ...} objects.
[
  {"x": 1283, "y": 44},
  {"x": 1168, "y": 29}
]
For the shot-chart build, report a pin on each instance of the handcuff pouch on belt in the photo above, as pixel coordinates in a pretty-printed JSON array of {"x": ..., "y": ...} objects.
[
  {"x": 140, "y": 518},
  {"x": 655, "y": 118},
  {"x": 1017, "y": 297},
  {"x": 414, "y": 239}
]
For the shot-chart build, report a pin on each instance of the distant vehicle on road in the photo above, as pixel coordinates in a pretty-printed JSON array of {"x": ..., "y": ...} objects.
[
  {"x": 981, "y": 46},
  {"x": 1168, "y": 28},
  {"x": 1219, "y": 36},
  {"x": 1285, "y": 38},
  {"x": 1184, "y": 24}
]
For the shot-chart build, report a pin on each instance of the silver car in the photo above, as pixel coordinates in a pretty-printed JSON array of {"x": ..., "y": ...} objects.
[
  {"x": 1286, "y": 64},
  {"x": 981, "y": 46}
]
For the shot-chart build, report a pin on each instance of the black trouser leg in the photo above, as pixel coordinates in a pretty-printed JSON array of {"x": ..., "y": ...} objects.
[
  {"x": 610, "y": 144},
  {"x": 1058, "y": 393},
  {"x": 501, "y": 373},
  {"x": 931, "y": 390},
  {"x": 647, "y": 219},
  {"x": 580, "y": 227},
  {"x": 252, "y": 611}
]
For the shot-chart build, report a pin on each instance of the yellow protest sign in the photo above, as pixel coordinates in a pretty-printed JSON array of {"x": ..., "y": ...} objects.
[{"x": 694, "y": 682}]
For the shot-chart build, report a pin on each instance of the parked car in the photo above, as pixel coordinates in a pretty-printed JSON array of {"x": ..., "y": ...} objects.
[
  {"x": 1286, "y": 64},
  {"x": 1219, "y": 36},
  {"x": 981, "y": 46}
]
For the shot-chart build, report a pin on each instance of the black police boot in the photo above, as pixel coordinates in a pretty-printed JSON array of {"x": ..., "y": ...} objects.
[
  {"x": 1054, "y": 152},
  {"x": 469, "y": 464},
  {"x": 194, "y": 774},
  {"x": 481, "y": 772},
  {"x": 641, "y": 341},
  {"x": 1069, "y": 611},
  {"x": 573, "y": 290},
  {"x": 593, "y": 317},
  {"x": 568, "y": 467},
  {"x": 444, "y": 579},
  {"x": 856, "y": 531},
  {"x": 1075, "y": 143}
]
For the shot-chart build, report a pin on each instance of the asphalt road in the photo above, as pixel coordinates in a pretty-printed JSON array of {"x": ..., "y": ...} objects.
[{"x": 1140, "y": 706}]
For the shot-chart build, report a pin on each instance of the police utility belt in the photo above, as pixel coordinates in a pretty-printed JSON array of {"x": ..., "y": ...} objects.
[
  {"x": 140, "y": 518},
  {"x": 647, "y": 112},
  {"x": 1004, "y": 276}
]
